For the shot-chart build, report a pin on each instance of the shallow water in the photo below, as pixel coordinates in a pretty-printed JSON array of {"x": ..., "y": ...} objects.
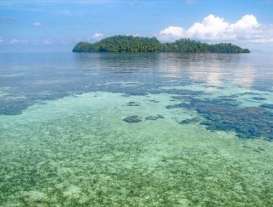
[{"x": 136, "y": 130}]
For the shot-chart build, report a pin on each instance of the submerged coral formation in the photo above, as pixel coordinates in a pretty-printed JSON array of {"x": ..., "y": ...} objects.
[
  {"x": 132, "y": 119},
  {"x": 154, "y": 117},
  {"x": 79, "y": 151},
  {"x": 189, "y": 121},
  {"x": 225, "y": 113},
  {"x": 132, "y": 103}
]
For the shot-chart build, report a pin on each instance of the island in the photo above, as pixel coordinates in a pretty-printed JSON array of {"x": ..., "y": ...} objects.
[{"x": 133, "y": 44}]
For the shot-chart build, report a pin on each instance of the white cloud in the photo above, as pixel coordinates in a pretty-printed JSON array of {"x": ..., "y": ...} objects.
[
  {"x": 248, "y": 21},
  {"x": 36, "y": 24},
  {"x": 172, "y": 32},
  {"x": 211, "y": 27},
  {"x": 1, "y": 40},
  {"x": 215, "y": 28},
  {"x": 97, "y": 36}
]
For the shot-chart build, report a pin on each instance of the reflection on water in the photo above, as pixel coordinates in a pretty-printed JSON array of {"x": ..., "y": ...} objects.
[
  {"x": 246, "y": 78},
  {"x": 136, "y": 130},
  {"x": 50, "y": 76},
  {"x": 212, "y": 69}
]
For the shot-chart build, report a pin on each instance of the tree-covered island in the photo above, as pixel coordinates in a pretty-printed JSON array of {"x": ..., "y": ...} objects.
[{"x": 132, "y": 44}]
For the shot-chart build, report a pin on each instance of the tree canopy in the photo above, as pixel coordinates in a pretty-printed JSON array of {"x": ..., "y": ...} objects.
[{"x": 131, "y": 44}]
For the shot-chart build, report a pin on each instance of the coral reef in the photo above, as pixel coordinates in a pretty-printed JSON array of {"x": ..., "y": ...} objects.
[
  {"x": 132, "y": 119},
  {"x": 155, "y": 117},
  {"x": 189, "y": 121},
  {"x": 226, "y": 114},
  {"x": 69, "y": 152},
  {"x": 132, "y": 103}
]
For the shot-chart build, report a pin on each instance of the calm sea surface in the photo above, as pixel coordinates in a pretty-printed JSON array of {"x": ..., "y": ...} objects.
[{"x": 136, "y": 130}]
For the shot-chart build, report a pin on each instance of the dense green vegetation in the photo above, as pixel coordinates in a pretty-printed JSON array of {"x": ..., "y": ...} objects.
[
  {"x": 120, "y": 44},
  {"x": 133, "y": 44}
]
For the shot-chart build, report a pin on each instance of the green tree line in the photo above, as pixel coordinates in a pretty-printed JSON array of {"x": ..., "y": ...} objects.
[{"x": 131, "y": 44}]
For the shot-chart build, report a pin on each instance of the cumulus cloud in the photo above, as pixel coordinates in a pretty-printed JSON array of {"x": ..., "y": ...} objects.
[
  {"x": 215, "y": 28},
  {"x": 173, "y": 32},
  {"x": 97, "y": 36},
  {"x": 210, "y": 28}
]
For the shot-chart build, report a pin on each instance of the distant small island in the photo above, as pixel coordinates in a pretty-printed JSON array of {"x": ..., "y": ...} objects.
[{"x": 132, "y": 44}]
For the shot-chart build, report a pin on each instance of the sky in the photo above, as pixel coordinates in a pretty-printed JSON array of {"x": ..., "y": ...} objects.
[{"x": 56, "y": 25}]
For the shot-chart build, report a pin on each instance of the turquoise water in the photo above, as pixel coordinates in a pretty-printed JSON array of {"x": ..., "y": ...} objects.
[{"x": 136, "y": 130}]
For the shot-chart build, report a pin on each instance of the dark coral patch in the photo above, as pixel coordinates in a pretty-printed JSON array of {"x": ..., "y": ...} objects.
[
  {"x": 249, "y": 122},
  {"x": 226, "y": 114},
  {"x": 153, "y": 118},
  {"x": 132, "y": 103},
  {"x": 180, "y": 105},
  {"x": 132, "y": 119},
  {"x": 256, "y": 98},
  {"x": 189, "y": 121},
  {"x": 154, "y": 101},
  {"x": 11, "y": 107}
]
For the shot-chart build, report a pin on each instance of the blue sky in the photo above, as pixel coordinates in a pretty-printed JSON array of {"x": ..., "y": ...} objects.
[{"x": 58, "y": 24}]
